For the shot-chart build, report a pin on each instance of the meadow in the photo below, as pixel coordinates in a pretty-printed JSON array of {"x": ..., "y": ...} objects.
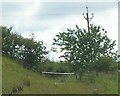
[{"x": 15, "y": 75}]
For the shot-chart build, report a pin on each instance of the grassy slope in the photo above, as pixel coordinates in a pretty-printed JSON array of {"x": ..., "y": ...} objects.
[
  {"x": 0, "y": 75},
  {"x": 15, "y": 75}
]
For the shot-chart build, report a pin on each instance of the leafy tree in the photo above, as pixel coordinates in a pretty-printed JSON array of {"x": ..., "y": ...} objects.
[
  {"x": 118, "y": 62},
  {"x": 28, "y": 51},
  {"x": 81, "y": 48},
  {"x": 6, "y": 41}
]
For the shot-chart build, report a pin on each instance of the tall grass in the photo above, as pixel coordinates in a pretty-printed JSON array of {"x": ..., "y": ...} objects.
[
  {"x": 15, "y": 75},
  {"x": 0, "y": 75}
]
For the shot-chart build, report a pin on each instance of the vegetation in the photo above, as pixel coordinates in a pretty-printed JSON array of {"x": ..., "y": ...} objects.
[
  {"x": 27, "y": 51},
  {"x": 14, "y": 75},
  {"x": 105, "y": 64},
  {"x": 89, "y": 55},
  {"x": 82, "y": 49}
]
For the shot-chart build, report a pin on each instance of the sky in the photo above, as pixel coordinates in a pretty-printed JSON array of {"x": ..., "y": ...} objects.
[{"x": 46, "y": 18}]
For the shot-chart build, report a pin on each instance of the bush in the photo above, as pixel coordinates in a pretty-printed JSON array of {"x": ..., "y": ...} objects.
[
  {"x": 104, "y": 64},
  {"x": 50, "y": 68}
]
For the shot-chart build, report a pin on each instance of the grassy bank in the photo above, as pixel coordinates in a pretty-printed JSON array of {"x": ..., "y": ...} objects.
[{"x": 15, "y": 75}]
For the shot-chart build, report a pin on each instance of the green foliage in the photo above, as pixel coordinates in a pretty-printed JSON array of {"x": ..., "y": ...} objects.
[
  {"x": 105, "y": 64},
  {"x": 63, "y": 68},
  {"x": 28, "y": 51},
  {"x": 15, "y": 75},
  {"x": 50, "y": 68},
  {"x": 82, "y": 48},
  {"x": 57, "y": 67}
]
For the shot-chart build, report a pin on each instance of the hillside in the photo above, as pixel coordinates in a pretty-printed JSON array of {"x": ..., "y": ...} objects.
[{"x": 14, "y": 76}]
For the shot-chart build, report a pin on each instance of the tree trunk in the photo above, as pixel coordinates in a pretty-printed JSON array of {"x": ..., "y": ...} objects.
[
  {"x": 97, "y": 74},
  {"x": 80, "y": 74}
]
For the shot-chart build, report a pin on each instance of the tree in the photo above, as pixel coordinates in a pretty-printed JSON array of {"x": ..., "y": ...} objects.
[
  {"x": 81, "y": 48},
  {"x": 28, "y": 51}
]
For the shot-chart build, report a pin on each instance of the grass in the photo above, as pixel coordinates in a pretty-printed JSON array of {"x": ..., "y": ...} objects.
[
  {"x": 0, "y": 75},
  {"x": 15, "y": 75}
]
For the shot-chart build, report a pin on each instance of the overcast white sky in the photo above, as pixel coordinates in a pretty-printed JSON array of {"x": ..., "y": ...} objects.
[{"x": 46, "y": 19}]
